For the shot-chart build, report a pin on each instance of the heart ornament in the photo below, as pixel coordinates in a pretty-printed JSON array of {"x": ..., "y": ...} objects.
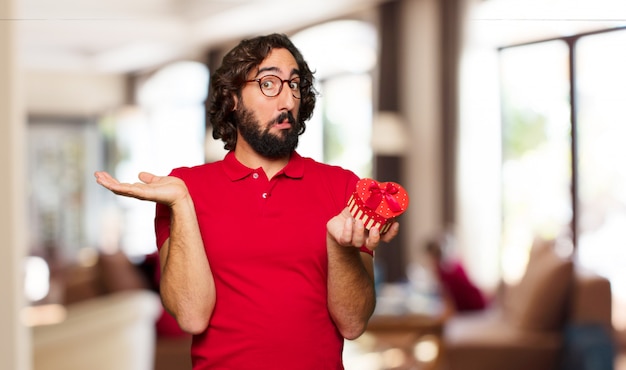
[{"x": 378, "y": 204}]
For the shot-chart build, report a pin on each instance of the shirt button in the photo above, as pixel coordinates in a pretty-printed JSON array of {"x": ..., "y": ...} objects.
[
  {"x": 264, "y": 195},
  {"x": 255, "y": 175}
]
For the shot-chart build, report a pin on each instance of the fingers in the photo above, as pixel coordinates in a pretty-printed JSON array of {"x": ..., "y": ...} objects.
[
  {"x": 359, "y": 234},
  {"x": 391, "y": 233},
  {"x": 130, "y": 190},
  {"x": 347, "y": 231},
  {"x": 147, "y": 177},
  {"x": 373, "y": 239},
  {"x": 104, "y": 179},
  {"x": 345, "y": 238},
  {"x": 350, "y": 232},
  {"x": 353, "y": 233}
]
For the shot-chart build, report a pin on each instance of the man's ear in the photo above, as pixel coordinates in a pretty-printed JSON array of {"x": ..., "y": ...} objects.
[{"x": 236, "y": 102}]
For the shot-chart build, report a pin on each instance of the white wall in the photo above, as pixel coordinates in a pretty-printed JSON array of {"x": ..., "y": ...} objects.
[
  {"x": 477, "y": 187},
  {"x": 420, "y": 92},
  {"x": 37, "y": 92},
  {"x": 72, "y": 94},
  {"x": 14, "y": 338},
  {"x": 478, "y": 162}
]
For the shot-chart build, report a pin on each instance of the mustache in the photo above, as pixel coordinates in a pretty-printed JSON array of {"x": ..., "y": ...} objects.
[{"x": 285, "y": 116}]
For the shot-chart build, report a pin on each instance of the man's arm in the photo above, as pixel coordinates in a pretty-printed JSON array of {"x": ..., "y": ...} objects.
[
  {"x": 187, "y": 286},
  {"x": 351, "y": 294}
]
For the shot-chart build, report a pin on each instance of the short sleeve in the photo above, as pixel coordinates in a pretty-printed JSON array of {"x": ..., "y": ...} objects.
[{"x": 162, "y": 219}]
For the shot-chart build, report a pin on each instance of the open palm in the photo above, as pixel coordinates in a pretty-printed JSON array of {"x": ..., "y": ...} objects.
[{"x": 162, "y": 189}]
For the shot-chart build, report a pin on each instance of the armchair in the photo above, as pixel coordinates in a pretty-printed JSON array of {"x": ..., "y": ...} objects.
[{"x": 526, "y": 328}]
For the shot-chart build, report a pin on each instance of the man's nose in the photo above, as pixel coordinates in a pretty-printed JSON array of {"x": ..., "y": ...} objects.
[{"x": 287, "y": 100}]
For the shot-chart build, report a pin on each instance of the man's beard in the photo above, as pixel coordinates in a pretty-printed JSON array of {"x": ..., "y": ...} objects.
[{"x": 262, "y": 140}]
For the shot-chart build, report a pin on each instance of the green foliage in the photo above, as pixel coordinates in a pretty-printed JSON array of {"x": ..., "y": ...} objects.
[
  {"x": 333, "y": 143},
  {"x": 523, "y": 130}
]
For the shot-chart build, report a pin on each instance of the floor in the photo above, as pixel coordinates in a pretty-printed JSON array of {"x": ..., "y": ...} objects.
[
  {"x": 369, "y": 353},
  {"x": 366, "y": 353},
  {"x": 359, "y": 356}
]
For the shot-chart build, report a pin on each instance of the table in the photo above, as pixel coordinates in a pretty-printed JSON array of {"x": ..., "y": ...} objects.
[
  {"x": 408, "y": 341},
  {"x": 405, "y": 331}
]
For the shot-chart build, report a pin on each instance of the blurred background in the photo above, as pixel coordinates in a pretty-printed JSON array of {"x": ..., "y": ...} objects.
[{"x": 504, "y": 120}]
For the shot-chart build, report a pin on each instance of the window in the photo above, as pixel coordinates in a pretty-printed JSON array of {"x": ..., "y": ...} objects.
[
  {"x": 562, "y": 151},
  {"x": 61, "y": 186},
  {"x": 165, "y": 130},
  {"x": 536, "y": 157},
  {"x": 343, "y": 56},
  {"x": 601, "y": 132}
]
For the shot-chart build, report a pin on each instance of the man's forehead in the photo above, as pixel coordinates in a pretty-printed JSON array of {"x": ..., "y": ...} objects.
[
  {"x": 279, "y": 61},
  {"x": 275, "y": 69}
]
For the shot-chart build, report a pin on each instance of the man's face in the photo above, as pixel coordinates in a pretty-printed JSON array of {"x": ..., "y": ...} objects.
[{"x": 269, "y": 124}]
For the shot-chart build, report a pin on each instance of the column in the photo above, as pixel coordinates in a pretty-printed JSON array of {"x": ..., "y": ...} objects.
[{"x": 15, "y": 347}]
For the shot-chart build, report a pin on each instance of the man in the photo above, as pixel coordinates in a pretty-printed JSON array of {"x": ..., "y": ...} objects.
[{"x": 260, "y": 259}]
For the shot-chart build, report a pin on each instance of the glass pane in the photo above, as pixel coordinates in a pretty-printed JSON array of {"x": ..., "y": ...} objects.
[
  {"x": 342, "y": 54},
  {"x": 602, "y": 174},
  {"x": 60, "y": 160},
  {"x": 166, "y": 130},
  {"x": 536, "y": 166},
  {"x": 346, "y": 103}
]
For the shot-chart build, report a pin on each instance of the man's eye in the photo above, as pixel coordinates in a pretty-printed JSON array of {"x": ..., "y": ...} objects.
[
  {"x": 267, "y": 84},
  {"x": 294, "y": 85}
]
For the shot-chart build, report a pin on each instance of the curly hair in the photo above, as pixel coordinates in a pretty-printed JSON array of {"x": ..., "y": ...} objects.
[{"x": 230, "y": 77}]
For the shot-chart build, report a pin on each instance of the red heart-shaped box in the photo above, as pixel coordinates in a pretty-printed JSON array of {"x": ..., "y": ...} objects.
[{"x": 378, "y": 204}]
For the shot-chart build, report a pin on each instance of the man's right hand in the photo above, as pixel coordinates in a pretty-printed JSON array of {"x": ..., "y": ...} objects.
[{"x": 161, "y": 189}]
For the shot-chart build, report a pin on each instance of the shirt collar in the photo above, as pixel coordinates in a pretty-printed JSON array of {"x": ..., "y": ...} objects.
[{"x": 235, "y": 170}]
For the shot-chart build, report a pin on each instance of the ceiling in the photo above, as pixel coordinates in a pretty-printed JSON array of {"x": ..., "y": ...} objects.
[
  {"x": 119, "y": 36},
  {"x": 507, "y": 22}
]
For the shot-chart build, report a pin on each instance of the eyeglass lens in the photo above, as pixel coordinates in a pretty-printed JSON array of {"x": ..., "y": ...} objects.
[{"x": 272, "y": 86}]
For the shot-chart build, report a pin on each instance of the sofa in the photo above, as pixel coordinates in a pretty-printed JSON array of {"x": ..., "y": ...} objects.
[
  {"x": 105, "y": 301},
  {"x": 558, "y": 317}
]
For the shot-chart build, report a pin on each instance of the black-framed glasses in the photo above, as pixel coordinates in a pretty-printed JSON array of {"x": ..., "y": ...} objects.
[{"x": 271, "y": 85}]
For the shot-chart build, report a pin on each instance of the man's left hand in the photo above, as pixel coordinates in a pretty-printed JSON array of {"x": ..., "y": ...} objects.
[{"x": 350, "y": 232}]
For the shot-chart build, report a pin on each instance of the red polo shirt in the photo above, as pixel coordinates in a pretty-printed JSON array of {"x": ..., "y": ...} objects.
[{"x": 266, "y": 243}]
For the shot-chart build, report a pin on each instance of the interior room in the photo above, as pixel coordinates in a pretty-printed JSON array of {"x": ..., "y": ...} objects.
[{"x": 501, "y": 119}]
